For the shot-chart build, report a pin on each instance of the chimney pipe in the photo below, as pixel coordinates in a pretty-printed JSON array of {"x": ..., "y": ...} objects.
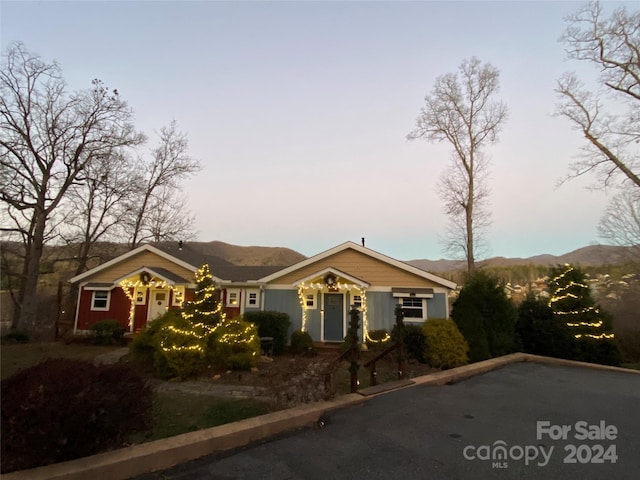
[{"x": 363, "y": 241}]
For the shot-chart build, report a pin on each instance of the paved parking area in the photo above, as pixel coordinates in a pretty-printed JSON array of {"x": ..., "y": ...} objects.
[{"x": 525, "y": 420}]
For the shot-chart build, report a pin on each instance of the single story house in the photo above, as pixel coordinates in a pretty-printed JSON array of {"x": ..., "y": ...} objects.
[{"x": 317, "y": 293}]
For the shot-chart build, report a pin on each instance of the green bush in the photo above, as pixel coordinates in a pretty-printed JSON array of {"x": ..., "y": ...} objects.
[
  {"x": 235, "y": 345},
  {"x": 63, "y": 409},
  {"x": 539, "y": 331},
  {"x": 144, "y": 342},
  {"x": 603, "y": 351},
  {"x": 444, "y": 345},
  {"x": 413, "y": 341},
  {"x": 628, "y": 342},
  {"x": 181, "y": 348},
  {"x": 486, "y": 317},
  {"x": 301, "y": 343},
  {"x": 108, "y": 332},
  {"x": 271, "y": 324}
]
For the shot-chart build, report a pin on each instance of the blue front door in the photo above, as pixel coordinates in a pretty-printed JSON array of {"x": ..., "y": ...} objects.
[{"x": 333, "y": 317}]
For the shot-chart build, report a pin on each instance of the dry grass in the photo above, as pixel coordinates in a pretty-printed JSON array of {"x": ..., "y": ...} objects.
[{"x": 14, "y": 358}]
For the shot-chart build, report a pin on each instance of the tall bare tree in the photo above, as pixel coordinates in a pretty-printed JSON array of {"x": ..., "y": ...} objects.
[
  {"x": 158, "y": 185},
  {"x": 620, "y": 224},
  {"x": 97, "y": 207},
  {"x": 461, "y": 110},
  {"x": 48, "y": 137},
  {"x": 609, "y": 114}
]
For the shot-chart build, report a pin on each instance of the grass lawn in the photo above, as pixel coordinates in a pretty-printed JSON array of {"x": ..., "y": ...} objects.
[
  {"x": 20, "y": 356},
  {"x": 175, "y": 413}
]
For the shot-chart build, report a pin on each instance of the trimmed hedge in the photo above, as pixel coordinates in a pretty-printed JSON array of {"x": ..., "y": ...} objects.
[
  {"x": 63, "y": 409},
  {"x": 444, "y": 345},
  {"x": 271, "y": 324}
]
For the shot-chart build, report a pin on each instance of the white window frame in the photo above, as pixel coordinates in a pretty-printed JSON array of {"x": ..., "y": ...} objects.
[
  {"x": 423, "y": 308},
  {"x": 107, "y": 300},
  {"x": 143, "y": 292},
  {"x": 252, "y": 295},
  {"x": 311, "y": 300},
  {"x": 356, "y": 303},
  {"x": 235, "y": 292},
  {"x": 177, "y": 296}
]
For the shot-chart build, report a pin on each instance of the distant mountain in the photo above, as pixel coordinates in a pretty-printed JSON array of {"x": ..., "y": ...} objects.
[
  {"x": 592, "y": 255},
  {"x": 245, "y": 256}
]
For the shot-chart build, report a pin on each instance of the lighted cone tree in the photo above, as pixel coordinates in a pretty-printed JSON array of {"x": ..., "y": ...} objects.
[
  {"x": 203, "y": 335},
  {"x": 206, "y": 307},
  {"x": 572, "y": 303}
]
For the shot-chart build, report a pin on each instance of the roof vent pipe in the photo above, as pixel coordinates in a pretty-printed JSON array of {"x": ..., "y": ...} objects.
[
  {"x": 180, "y": 245},
  {"x": 363, "y": 241}
]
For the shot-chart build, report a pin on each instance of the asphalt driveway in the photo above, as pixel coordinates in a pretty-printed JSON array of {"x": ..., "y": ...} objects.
[{"x": 525, "y": 420}]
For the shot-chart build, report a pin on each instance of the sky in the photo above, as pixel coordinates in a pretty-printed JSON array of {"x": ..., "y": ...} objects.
[{"x": 299, "y": 112}]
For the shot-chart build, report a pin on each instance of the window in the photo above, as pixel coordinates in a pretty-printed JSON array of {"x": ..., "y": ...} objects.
[
  {"x": 178, "y": 296},
  {"x": 412, "y": 307},
  {"x": 253, "y": 299},
  {"x": 357, "y": 301},
  {"x": 310, "y": 301},
  {"x": 233, "y": 298},
  {"x": 100, "y": 300},
  {"x": 140, "y": 296}
]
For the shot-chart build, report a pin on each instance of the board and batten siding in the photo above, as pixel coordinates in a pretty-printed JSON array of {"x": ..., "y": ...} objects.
[
  {"x": 143, "y": 259},
  {"x": 364, "y": 267}
]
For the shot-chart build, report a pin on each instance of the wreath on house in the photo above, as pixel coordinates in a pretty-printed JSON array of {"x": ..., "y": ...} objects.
[{"x": 331, "y": 281}]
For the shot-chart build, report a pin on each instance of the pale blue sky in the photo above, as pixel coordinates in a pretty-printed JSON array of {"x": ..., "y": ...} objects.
[{"x": 299, "y": 112}]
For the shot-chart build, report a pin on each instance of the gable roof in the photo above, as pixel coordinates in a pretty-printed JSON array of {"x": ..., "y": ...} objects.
[
  {"x": 366, "y": 251},
  {"x": 190, "y": 259},
  {"x": 129, "y": 254}
]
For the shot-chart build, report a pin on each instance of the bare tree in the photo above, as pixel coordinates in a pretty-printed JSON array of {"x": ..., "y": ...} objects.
[
  {"x": 48, "y": 137},
  {"x": 620, "y": 224},
  {"x": 169, "y": 164},
  {"x": 97, "y": 207},
  {"x": 169, "y": 217},
  {"x": 609, "y": 115},
  {"x": 460, "y": 110}
]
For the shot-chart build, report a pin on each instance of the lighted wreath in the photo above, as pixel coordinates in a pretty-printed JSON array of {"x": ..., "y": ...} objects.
[
  {"x": 145, "y": 278},
  {"x": 331, "y": 281}
]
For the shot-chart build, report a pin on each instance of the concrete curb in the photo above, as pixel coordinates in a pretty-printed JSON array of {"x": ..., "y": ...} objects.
[{"x": 166, "y": 453}]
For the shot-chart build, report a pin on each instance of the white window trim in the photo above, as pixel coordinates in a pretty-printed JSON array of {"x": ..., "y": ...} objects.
[
  {"x": 142, "y": 290},
  {"x": 424, "y": 310},
  {"x": 93, "y": 301},
  {"x": 248, "y": 303},
  {"x": 235, "y": 291},
  {"x": 314, "y": 300}
]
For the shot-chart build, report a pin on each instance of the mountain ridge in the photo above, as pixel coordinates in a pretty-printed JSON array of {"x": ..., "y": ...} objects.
[{"x": 591, "y": 255}]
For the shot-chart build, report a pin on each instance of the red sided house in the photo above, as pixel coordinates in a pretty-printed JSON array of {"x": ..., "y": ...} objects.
[
  {"x": 142, "y": 284},
  {"x": 317, "y": 293}
]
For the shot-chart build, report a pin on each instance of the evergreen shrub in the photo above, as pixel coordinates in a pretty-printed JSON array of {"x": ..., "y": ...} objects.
[
  {"x": 180, "y": 348},
  {"x": 235, "y": 345},
  {"x": 413, "y": 341},
  {"x": 108, "y": 332},
  {"x": 485, "y": 316},
  {"x": 540, "y": 332},
  {"x": 444, "y": 345},
  {"x": 63, "y": 409},
  {"x": 271, "y": 324},
  {"x": 301, "y": 343}
]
